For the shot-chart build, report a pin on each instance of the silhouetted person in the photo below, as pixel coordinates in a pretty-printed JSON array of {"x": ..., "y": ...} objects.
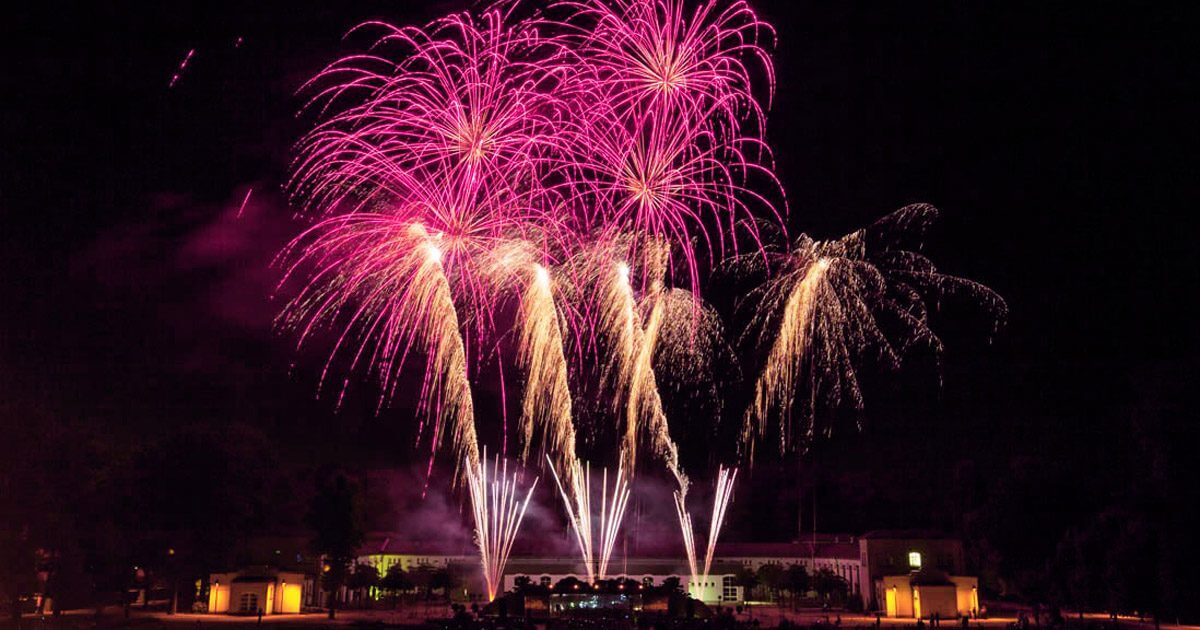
[{"x": 966, "y": 622}]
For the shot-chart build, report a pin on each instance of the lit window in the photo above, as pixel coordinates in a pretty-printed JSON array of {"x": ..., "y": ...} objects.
[{"x": 914, "y": 559}]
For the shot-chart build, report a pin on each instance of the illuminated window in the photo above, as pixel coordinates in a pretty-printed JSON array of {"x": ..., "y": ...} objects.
[
  {"x": 248, "y": 603},
  {"x": 914, "y": 559},
  {"x": 729, "y": 588}
]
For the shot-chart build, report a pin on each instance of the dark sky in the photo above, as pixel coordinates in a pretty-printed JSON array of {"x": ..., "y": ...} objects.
[{"x": 1059, "y": 142}]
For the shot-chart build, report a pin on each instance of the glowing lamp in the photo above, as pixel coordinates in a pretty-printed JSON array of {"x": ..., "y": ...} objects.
[{"x": 914, "y": 559}]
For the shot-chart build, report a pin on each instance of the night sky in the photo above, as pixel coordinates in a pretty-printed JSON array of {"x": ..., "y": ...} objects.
[{"x": 1059, "y": 142}]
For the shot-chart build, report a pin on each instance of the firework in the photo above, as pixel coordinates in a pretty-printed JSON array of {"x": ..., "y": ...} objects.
[
  {"x": 576, "y": 496},
  {"x": 688, "y": 534},
  {"x": 725, "y": 480},
  {"x": 577, "y": 502},
  {"x": 245, "y": 200},
  {"x": 612, "y": 512},
  {"x": 456, "y": 134},
  {"x": 498, "y": 510},
  {"x": 468, "y": 99},
  {"x": 631, "y": 362},
  {"x": 646, "y": 55},
  {"x": 829, "y": 307},
  {"x": 547, "y": 393},
  {"x": 724, "y": 492},
  {"x": 385, "y": 279},
  {"x": 591, "y": 164},
  {"x": 182, "y": 66}
]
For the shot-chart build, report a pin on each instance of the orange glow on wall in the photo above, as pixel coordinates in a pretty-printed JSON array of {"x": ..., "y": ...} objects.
[
  {"x": 218, "y": 598},
  {"x": 289, "y": 602}
]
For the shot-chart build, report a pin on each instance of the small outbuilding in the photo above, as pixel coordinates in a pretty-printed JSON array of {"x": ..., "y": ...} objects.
[
  {"x": 251, "y": 590},
  {"x": 929, "y": 592}
]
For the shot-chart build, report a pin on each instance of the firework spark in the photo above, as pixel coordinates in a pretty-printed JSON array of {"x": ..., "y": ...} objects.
[
  {"x": 647, "y": 55},
  {"x": 576, "y": 496},
  {"x": 547, "y": 393},
  {"x": 612, "y": 512},
  {"x": 577, "y": 502},
  {"x": 182, "y": 66},
  {"x": 498, "y": 511},
  {"x": 631, "y": 363},
  {"x": 245, "y": 200},
  {"x": 724, "y": 492},
  {"x": 822, "y": 315},
  {"x": 381, "y": 280},
  {"x": 725, "y": 479}
]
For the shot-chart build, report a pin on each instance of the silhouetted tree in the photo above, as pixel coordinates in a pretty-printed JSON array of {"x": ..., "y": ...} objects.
[
  {"x": 335, "y": 518},
  {"x": 746, "y": 579},
  {"x": 829, "y": 585},
  {"x": 771, "y": 578},
  {"x": 363, "y": 579},
  {"x": 796, "y": 580}
]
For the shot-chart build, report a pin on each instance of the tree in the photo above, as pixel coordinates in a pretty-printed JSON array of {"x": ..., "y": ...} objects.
[
  {"x": 771, "y": 577},
  {"x": 444, "y": 579},
  {"x": 183, "y": 525},
  {"x": 796, "y": 581},
  {"x": 571, "y": 585},
  {"x": 364, "y": 578},
  {"x": 827, "y": 584},
  {"x": 746, "y": 579},
  {"x": 18, "y": 571},
  {"x": 422, "y": 578},
  {"x": 395, "y": 581},
  {"x": 335, "y": 518}
]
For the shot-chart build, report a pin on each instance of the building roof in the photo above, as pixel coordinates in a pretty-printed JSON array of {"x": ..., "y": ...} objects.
[
  {"x": 906, "y": 534},
  {"x": 839, "y": 547},
  {"x": 386, "y": 543},
  {"x": 824, "y": 550}
]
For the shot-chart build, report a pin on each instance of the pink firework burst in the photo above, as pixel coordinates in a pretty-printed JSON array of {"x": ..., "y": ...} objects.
[
  {"x": 469, "y": 100},
  {"x": 658, "y": 53},
  {"x": 662, "y": 176},
  {"x": 419, "y": 169},
  {"x": 665, "y": 128}
]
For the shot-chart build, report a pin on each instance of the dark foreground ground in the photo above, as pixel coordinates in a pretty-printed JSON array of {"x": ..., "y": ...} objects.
[{"x": 757, "y": 617}]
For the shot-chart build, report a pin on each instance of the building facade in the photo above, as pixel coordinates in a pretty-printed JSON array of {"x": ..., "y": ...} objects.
[
  {"x": 254, "y": 590},
  {"x": 916, "y": 573},
  {"x": 838, "y": 554}
]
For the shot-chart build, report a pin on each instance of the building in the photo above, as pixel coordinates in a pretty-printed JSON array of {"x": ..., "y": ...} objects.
[
  {"x": 383, "y": 551},
  {"x": 916, "y": 573},
  {"x": 838, "y": 554},
  {"x": 902, "y": 573},
  {"x": 256, "y": 589},
  {"x": 276, "y": 574}
]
